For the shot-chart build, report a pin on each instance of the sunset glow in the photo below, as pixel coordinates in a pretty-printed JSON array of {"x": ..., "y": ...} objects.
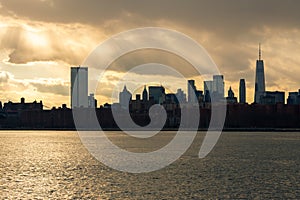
[{"x": 44, "y": 40}]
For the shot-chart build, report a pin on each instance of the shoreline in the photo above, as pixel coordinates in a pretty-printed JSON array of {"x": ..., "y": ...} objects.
[{"x": 166, "y": 129}]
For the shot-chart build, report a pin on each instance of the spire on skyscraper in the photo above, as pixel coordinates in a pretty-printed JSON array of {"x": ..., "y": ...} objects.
[
  {"x": 145, "y": 94},
  {"x": 259, "y": 78},
  {"x": 259, "y": 52}
]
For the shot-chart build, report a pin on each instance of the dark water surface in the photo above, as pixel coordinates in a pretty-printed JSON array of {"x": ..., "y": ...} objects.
[{"x": 55, "y": 165}]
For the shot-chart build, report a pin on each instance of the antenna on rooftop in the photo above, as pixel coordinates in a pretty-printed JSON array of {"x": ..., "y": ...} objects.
[{"x": 259, "y": 53}]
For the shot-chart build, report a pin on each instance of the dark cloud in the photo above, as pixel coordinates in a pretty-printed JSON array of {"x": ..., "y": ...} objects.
[
  {"x": 56, "y": 89},
  {"x": 230, "y": 22},
  {"x": 140, "y": 57},
  {"x": 230, "y": 31},
  {"x": 230, "y": 16}
]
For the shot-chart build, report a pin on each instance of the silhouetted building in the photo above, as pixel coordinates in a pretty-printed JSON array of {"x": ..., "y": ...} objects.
[
  {"x": 207, "y": 97},
  {"x": 124, "y": 98},
  {"x": 181, "y": 96},
  {"x": 199, "y": 96},
  {"x": 136, "y": 105},
  {"x": 294, "y": 98},
  {"x": 208, "y": 86},
  {"x": 171, "y": 99},
  {"x": 194, "y": 95},
  {"x": 259, "y": 79},
  {"x": 273, "y": 98},
  {"x": 138, "y": 97},
  {"x": 107, "y": 106},
  {"x": 79, "y": 87},
  {"x": 157, "y": 93},
  {"x": 231, "y": 98},
  {"x": 242, "y": 90},
  {"x": 145, "y": 94},
  {"x": 267, "y": 99},
  {"x": 192, "y": 91},
  {"x": 22, "y": 106},
  {"x": 208, "y": 89}
]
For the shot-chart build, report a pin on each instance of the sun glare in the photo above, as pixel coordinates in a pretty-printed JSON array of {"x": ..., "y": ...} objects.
[
  {"x": 36, "y": 39},
  {"x": 2, "y": 25}
]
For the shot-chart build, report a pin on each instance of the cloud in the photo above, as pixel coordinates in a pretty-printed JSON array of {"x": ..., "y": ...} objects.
[
  {"x": 213, "y": 14},
  {"x": 12, "y": 89},
  {"x": 136, "y": 58},
  {"x": 4, "y": 77},
  {"x": 67, "y": 30},
  {"x": 47, "y": 42},
  {"x": 51, "y": 86}
]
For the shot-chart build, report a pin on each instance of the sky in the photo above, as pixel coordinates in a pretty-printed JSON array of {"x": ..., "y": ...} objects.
[{"x": 42, "y": 39}]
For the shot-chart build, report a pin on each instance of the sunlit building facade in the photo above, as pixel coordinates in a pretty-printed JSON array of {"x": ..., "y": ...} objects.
[{"x": 79, "y": 87}]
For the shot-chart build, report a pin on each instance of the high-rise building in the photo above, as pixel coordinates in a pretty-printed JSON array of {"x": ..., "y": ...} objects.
[
  {"x": 218, "y": 86},
  {"x": 181, "y": 96},
  {"x": 157, "y": 93},
  {"x": 199, "y": 95},
  {"x": 92, "y": 101},
  {"x": 294, "y": 98},
  {"x": 208, "y": 89},
  {"x": 194, "y": 95},
  {"x": 272, "y": 98},
  {"x": 192, "y": 91},
  {"x": 230, "y": 93},
  {"x": 145, "y": 94},
  {"x": 242, "y": 91},
  {"x": 79, "y": 87},
  {"x": 171, "y": 99},
  {"x": 208, "y": 86},
  {"x": 231, "y": 98},
  {"x": 124, "y": 98},
  {"x": 259, "y": 79}
]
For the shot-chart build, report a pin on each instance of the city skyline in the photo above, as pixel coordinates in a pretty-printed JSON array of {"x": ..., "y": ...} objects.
[
  {"x": 80, "y": 96},
  {"x": 39, "y": 43},
  {"x": 133, "y": 99}
]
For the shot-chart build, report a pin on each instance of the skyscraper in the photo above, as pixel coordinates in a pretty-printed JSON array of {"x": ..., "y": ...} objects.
[
  {"x": 157, "y": 93},
  {"x": 208, "y": 86},
  {"x": 218, "y": 86},
  {"x": 208, "y": 89},
  {"x": 181, "y": 96},
  {"x": 92, "y": 102},
  {"x": 259, "y": 79},
  {"x": 231, "y": 98},
  {"x": 124, "y": 98},
  {"x": 294, "y": 98},
  {"x": 145, "y": 94},
  {"x": 273, "y": 97},
  {"x": 242, "y": 91},
  {"x": 192, "y": 91},
  {"x": 79, "y": 87}
]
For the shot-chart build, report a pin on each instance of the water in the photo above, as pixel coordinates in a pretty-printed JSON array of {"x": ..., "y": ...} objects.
[{"x": 55, "y": 165}]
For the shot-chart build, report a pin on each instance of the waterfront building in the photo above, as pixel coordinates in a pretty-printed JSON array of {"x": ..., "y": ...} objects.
[
  {"x": 260, "y": 87},
  {"x": 79, "y": 87},
  {"x": 124, "y": 98},
  {"x": 242, "y": 91}
]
